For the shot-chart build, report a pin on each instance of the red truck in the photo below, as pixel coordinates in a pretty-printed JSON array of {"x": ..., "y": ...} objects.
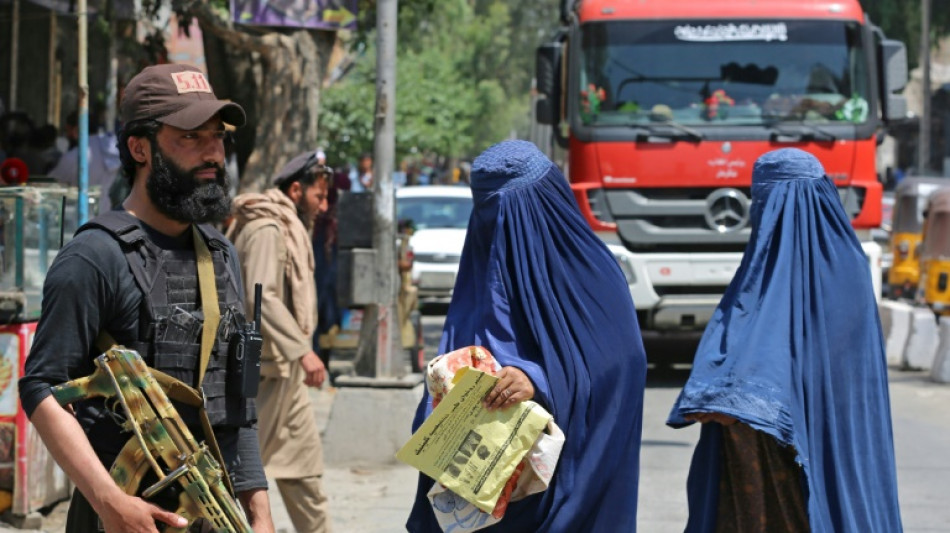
[{"x": 664, "y": 106}]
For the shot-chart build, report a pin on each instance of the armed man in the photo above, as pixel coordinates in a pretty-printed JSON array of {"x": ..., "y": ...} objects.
[
  {"x": 271, "y": 232},
  {"x": 133, "y": 277}
]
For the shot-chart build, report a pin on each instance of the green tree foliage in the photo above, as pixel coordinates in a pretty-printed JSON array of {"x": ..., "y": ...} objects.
[{"x": 464, "y": 71}]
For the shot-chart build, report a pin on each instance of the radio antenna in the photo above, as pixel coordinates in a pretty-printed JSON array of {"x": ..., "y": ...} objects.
[{"x": 257, "y": 306}]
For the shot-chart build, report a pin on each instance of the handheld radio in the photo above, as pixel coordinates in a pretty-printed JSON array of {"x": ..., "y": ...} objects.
[{"x": 244, "y": 354}]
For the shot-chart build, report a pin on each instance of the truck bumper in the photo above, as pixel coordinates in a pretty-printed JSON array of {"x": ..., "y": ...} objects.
[
  {"x": 681, "y": 291},
  {"x": 676, "y": 291},
  {"x": 684, "y": 311}
]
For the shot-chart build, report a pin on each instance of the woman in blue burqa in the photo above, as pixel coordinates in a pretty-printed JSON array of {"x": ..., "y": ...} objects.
[
  {"x": 546, "y": 297},
  {"x": 789, "y": 379}
]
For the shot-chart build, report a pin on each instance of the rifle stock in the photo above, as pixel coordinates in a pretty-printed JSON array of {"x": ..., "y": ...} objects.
[{"x": 161, "y": 442}]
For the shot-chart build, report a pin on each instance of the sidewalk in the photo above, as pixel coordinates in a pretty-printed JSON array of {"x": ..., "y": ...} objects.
[{"x": 363, "y": 498}]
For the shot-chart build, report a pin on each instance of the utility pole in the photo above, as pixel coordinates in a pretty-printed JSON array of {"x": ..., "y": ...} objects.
[
  {"x": 387, "y": 393},
  {"x": 923, "y": 146},
  {"x": 14, "y": 52},
  {"x": 112, "y": 73},
  {"x": 52, "y": 111},
  {"x": 83, "y": 16},
  {"x": 388, "y": 340}
]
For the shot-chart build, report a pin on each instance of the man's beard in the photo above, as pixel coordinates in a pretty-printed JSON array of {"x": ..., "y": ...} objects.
[
  {"x": 180, "y": 195},
  {"x": 303, "y": 215}
]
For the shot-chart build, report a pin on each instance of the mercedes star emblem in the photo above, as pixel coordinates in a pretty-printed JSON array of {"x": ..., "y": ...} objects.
[{"x": 727, "y": 210}]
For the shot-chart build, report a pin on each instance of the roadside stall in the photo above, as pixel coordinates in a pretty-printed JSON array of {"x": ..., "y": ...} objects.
[{"x": 32, "y": 231}]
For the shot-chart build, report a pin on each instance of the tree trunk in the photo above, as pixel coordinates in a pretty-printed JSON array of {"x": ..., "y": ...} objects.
[{"x": 277, "y": 78}]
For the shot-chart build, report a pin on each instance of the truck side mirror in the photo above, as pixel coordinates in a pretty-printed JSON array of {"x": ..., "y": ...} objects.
[
  {"x": 544, "y": 110},
  {"x": 548, "y": 79},
  {"x": 893, "y": 55}
]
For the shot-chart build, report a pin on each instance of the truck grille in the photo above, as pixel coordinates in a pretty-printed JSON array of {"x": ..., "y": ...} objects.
[{"x": 681, "y": 220}]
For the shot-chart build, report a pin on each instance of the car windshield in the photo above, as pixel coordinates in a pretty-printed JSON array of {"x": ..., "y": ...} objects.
[
  {"x": 429, "y": 212},
  {"x": 704, "y": 72}
]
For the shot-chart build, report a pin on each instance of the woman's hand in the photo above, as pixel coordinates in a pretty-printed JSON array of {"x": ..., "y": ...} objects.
[{"x": 513, "y": 386}]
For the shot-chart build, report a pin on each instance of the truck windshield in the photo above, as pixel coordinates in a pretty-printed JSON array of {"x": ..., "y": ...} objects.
[{"x": 704, "y": 72}]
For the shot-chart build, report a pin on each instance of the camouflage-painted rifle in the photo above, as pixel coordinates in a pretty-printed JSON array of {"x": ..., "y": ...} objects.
[{"x": 161, "y": 442}]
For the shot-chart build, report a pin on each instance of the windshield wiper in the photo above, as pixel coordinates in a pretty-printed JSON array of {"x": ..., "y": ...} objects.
[
  {"x": 800, "y": 132},
  {"x": 667, "y": 130}
]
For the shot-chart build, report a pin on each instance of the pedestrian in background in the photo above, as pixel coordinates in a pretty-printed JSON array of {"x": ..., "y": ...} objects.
[
  {"x": 362, "y": 179},
  {"x": 325, "y": 254},
  {"x": 789, "y": 379},
  {"x": 41, "y": 154},
  {"x": 103, "y": 159},
  {"x": 341, "y": 178},
  {"x": 101, "y": 286},
  {"x": 16, "y": 127},
  {"x": 540, "y": 291},
  {"x": 408, "y": 298},
  {"x": 271, "y": 231}
]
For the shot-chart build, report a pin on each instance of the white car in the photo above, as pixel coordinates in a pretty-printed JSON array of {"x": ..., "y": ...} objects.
[{"x": 439, "y": 214}]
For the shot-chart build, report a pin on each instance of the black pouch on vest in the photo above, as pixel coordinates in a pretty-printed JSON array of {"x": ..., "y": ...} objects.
[{"x": 244, "y": 355}]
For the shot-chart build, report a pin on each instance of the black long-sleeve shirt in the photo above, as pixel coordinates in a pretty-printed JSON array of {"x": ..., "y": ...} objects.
[{"x": 90, "y": 288}]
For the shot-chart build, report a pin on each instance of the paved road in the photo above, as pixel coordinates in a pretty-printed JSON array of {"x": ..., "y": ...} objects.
[
  {"x": 921, "y": 428},
  {"x": 376, "y": 499},
  {"x": 921, "y": 436}
]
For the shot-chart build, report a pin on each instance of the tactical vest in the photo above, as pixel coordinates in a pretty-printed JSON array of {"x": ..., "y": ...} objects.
[{"x": 169, "y": 283}]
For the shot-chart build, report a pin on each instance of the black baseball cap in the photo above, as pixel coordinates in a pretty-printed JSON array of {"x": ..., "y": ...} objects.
[{"x": 177, "y": 95}]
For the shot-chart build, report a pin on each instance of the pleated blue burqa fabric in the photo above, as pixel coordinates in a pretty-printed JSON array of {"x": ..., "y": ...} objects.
[
  {"x": 542, "y": 293},
  {"x": 795, "y": 350}
]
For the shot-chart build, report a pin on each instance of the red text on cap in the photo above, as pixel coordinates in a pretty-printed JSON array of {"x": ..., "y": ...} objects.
[{"x": 191, "y": 82}]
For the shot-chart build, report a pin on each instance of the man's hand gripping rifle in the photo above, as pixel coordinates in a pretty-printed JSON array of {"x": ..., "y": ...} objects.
[{"x": 161, "y": 442}]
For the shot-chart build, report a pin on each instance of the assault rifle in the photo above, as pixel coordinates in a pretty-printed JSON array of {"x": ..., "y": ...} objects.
[{"x": 161, "y": 442}]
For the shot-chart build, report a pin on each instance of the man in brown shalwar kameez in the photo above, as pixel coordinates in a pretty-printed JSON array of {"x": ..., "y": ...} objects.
[{"x": 271, "y": 232}]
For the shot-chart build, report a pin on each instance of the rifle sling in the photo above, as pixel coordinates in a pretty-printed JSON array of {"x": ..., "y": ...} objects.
[
  {"x": 209, "y": 301},
  {"x": 209, "y": 331}
]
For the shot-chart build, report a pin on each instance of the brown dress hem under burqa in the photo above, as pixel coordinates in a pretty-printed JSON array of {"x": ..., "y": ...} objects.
[{"x": 761, "y": 489}]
